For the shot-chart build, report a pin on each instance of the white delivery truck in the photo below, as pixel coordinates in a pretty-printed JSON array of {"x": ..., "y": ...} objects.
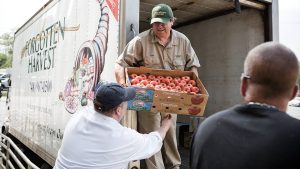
[{"x": 68, "y": 46}]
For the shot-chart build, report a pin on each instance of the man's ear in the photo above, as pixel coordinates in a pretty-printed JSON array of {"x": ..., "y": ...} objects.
[
  {"x": 172, "y": 21},
  {"x": 118, "y": 111},
  {"x": 243, "y": 87},
  {"x": 295, "y": 91}
]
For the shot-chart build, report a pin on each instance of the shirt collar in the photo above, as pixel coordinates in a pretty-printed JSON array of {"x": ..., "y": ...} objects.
[{"x": 173, "y": 41}]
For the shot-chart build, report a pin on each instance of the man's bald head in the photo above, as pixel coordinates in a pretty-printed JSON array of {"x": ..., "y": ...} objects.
[{"x": 273, "y": 68}]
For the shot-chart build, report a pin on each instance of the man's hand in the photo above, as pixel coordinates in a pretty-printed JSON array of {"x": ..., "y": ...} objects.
[
  {"x": 120, "y": 74},
  {"x": 167, "y": 122},
  {"x": 165, "y": 125}
]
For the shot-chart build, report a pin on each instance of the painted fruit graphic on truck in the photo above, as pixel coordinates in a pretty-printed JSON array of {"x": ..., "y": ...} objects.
[
  {"x": 196, "y": 100},
  {"x": 88, "y": 66},
  {"x": 194, "y": 110}
]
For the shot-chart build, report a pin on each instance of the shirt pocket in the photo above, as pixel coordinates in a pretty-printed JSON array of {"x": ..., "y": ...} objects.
[
  {"x": 179, "y": 62},
  {"x": 153, "y": 62}
]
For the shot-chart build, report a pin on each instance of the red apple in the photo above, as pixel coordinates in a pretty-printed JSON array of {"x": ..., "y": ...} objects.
[
  {"x": 157, "y": 80},
  {"x": 183, "y": 82},
  {"x": 169, "y": 88},
  {"x": 172, "y": 85},
  {"x": 154, "y": 83},
  {"x": 165, "y": 80},
  {"x": 151, "y": 77},
  {"x": 178, "y": 88},
  {"x": 169, "y": 77},
  {"x": 187, "y": 89},
  {"x": 175, "y": 81},
  {"x": 192, "y": 82},
  {"x": 160, "y": 77},
  {"x": 144, "y": 82},
  {"x": 143, "y": 76},
  {"x": 139, "y": 78},
  {"x": 189, "y": 85},
  {"x": 150, "y": 86},
  {"x": 177, "y": 78},
  {"x": 163, "y": 84},
  {"x": 185, "y": 78},
  {"x": 134, "y": 81},
  {"x": 195, "y": 89},
  {"x": 133, "y": 76},
  {"x": 181, "y": 85}
]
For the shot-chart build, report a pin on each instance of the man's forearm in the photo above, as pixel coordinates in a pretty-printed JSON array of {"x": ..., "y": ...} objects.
[
  {"x": 120, "y": 74},
  {"x": 163, "y": 131},
  {"x": 195, "y": 70},
  {"x": 165, "y": 125}
]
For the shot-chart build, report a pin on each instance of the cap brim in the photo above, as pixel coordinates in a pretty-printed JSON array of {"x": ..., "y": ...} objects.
[
  {"x": 130, "y": 93},
  {"x": 161, "y": 20}
]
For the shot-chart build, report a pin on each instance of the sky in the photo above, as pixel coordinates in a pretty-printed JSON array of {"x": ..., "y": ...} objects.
[{"x": 14, "y": 13}]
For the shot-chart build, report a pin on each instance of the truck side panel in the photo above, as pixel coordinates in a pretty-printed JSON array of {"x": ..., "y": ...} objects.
[{"x": 59, "y": 57}]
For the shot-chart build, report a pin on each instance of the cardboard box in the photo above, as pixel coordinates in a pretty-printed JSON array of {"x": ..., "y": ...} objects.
[{"x": 168, "y": 101}]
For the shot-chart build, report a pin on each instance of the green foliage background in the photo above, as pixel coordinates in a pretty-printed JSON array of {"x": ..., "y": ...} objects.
[{"x": 6, "y": 41}]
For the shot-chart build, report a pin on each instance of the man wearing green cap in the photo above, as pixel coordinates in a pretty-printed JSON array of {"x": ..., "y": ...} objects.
[{"x": 160, "y": 47}]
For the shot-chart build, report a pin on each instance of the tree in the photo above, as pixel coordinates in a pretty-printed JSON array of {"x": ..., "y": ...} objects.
[
  {"x": 3, "y": 60},
  {"x": 8, "y": 62},
  {"x": 6, "y": 41}
]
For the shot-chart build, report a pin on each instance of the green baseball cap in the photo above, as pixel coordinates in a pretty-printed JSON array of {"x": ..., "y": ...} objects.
[{"x": 161, "y": 13}]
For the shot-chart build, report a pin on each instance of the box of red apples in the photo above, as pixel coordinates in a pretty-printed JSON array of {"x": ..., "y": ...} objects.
[{"x": 168, "y": 91}]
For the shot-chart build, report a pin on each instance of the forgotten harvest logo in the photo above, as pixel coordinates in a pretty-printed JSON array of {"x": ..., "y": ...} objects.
[{"x": 40, "y": 49}]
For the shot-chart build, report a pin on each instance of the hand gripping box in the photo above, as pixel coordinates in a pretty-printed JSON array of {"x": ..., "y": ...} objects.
[{"x": 153, "y": 100}]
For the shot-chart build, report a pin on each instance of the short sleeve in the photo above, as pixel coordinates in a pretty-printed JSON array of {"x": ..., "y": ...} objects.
[
  {"x": 132, "y": 54},
  {"x": 191, "y": 57}
]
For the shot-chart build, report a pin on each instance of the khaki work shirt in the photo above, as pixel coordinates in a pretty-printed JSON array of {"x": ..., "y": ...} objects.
[{"x": 145, "y": 50}]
